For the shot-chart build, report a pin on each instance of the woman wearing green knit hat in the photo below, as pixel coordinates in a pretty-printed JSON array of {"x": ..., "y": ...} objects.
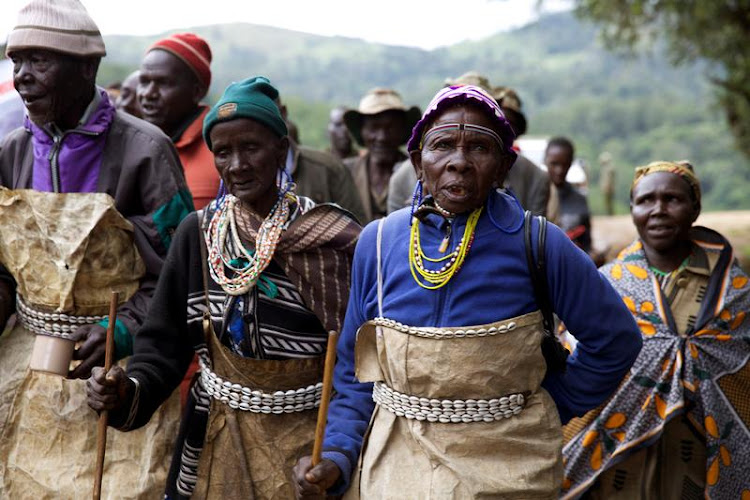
[{"x": 252, "y": 284}]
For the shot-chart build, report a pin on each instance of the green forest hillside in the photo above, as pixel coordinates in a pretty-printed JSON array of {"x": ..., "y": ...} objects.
[{"x": 638, "y": 109}]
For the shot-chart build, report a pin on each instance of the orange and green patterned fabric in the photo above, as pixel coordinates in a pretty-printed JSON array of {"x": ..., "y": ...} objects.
[{"x": 701, "y": 373}]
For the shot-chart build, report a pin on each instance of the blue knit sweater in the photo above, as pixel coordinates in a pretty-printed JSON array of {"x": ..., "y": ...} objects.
[{"x": 493, "y": 284}]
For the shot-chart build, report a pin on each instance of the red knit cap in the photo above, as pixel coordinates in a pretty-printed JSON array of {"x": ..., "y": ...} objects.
[{"x": 192, "y": 50}]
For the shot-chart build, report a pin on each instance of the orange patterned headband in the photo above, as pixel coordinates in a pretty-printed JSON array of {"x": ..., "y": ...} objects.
[{"x": 683, "y": 169}]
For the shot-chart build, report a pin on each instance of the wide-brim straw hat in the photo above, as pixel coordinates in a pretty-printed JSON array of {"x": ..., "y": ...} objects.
[{"x": 379, "y": 100}]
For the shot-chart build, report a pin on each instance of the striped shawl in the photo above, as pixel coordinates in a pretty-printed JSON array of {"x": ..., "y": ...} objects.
[{"x": 316, "y": 253}]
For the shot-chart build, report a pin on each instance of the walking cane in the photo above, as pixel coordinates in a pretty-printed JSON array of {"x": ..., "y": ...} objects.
[
  {"x": 325, "y": 397},
  {"x": 101, "y": 434}
]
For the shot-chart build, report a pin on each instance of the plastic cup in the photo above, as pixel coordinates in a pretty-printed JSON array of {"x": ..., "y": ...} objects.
[{"x": 52, "y": 355}]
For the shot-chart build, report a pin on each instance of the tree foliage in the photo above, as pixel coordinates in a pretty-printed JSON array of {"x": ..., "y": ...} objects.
[{"x": 717, "y": 32}]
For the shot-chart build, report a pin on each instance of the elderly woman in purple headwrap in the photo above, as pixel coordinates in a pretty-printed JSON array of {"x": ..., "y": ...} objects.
[{"x": 442, "y": 382}]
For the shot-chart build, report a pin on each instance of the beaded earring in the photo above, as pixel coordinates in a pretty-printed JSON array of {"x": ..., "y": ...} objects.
[
  {"x": 416, "y": 199},
  {"x": 221, "y": 195},
  {"x": 284, "y": 181}
]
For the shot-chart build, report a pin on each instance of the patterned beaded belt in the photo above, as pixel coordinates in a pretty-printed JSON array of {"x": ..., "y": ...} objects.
[
  {"x": 448, "y": 411},
  {"x": 255, "y": 401},
  {"x": 51, "y": 324}
]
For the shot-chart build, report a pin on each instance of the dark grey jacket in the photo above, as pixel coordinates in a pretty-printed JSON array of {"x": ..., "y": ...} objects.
[
  {"x": 324, "y": 179},
  {"x": 530, "y": 184},
  {"x": 141, "y": 170}
]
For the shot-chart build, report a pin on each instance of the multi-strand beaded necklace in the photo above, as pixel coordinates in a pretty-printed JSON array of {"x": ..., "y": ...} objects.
[
  {"x": 223, "y": 226},
  {"x": 452, "y": 261},
  {"x": 664, "y": 277}
]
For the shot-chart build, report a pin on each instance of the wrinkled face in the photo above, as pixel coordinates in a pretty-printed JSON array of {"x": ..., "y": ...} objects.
[
  {"x": 52, "y": 85},
  {"x": 248, "y": 156},
  {"x": 168, "y": 92},
  {"x": 558, "y": 160},
  {"x": 663, "y": 211},
  {"x": 337, "y": 131},
  {"x": 128, "y": 99},
  {"x": 460, "y": 167},
  {"x": 384, "y": 133}
]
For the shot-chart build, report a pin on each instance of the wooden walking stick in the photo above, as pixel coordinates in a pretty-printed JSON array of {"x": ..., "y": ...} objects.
[
  {"x": 325, "y": 397},
  {"x": 101, "y": 432}
]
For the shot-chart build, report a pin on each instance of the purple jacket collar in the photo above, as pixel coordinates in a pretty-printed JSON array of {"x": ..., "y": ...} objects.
[{"x": 69, "y": 162}]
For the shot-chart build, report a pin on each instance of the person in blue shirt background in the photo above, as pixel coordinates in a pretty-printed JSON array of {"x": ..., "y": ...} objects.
[{"x": 441, "y": 385}]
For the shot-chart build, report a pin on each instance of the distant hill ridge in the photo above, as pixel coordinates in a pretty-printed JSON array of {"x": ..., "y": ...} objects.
[{"x": 639, "y": 109}]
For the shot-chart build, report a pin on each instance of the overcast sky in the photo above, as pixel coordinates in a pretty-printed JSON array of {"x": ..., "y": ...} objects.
[{"x": 418, "y": 23}]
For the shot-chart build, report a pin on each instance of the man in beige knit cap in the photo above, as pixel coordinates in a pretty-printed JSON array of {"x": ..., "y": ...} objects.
[{"x": 111, "y": 191}]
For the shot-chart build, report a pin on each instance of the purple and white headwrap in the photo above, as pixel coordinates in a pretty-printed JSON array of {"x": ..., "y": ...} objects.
[{"x": 459, "y": 94}]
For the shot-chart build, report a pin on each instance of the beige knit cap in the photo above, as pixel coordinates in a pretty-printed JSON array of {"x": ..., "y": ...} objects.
[{"x": 57, "y": 25}]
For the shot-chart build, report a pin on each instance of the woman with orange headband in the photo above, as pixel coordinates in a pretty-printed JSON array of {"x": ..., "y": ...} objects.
[{"x": 677, "y": 426}]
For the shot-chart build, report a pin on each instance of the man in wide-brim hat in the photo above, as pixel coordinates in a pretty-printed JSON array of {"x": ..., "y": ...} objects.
[{"x": 382, "y": 124}]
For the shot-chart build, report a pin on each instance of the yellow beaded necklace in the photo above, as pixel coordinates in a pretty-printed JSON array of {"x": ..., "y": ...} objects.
[{"x": 440, "y": 277}]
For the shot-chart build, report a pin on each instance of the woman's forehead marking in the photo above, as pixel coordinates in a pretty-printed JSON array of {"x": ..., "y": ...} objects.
[{"x": 463, "y": 127}]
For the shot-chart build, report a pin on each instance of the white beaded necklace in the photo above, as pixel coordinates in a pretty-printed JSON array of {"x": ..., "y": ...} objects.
[
  {"x": 445, "y": 213},
  {"x": 224, "y": 225}
]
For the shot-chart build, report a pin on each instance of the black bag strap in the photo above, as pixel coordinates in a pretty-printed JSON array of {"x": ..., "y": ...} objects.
[
  {"x": 555, "y": 355},
  {"x": 537, "y": 270}
]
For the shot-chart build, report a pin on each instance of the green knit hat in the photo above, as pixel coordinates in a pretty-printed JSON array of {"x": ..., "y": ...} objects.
[{"x": 252, "y": 98}]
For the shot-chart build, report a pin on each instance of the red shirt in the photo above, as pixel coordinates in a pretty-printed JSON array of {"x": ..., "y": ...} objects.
[{"x": 198, "y": 163}]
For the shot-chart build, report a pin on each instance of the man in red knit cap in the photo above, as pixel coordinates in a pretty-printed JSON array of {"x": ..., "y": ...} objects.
[{"x": 175, "y": 75}]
